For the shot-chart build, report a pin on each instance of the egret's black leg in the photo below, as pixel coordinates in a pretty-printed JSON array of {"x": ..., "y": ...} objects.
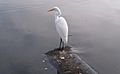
[{"x": 60, "y": 43}]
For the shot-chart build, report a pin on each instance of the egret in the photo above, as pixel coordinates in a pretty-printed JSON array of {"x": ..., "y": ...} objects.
[{"x": 61, "y": 26}]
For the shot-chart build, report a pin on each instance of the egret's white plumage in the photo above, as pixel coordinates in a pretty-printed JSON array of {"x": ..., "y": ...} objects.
[
  {"x": 62, "y": 28},
  {"x": 61, "y": 24}
]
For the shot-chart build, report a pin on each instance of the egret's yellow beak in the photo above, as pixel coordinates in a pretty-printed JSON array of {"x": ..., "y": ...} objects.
[{"x": 51, "y": 10}]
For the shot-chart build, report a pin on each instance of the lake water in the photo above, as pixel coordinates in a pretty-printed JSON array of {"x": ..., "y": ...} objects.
[{"x": 27, "y": 31}]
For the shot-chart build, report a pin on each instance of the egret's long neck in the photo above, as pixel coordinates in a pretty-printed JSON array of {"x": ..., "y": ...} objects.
[{"x": 57, "y": 13}]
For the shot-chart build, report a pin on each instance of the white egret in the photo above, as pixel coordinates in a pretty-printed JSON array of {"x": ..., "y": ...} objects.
[{"x": 61, "y": 26}]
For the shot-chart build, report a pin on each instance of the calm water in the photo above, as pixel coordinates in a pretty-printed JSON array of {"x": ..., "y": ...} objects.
[{"x": 27, "y": 31}]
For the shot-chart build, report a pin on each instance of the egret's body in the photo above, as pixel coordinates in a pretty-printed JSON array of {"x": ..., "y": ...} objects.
[{"x": 61, "y": 26}]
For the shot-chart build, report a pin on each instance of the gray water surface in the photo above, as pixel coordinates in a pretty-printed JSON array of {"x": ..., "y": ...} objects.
[{"x": 27, "y": 31}]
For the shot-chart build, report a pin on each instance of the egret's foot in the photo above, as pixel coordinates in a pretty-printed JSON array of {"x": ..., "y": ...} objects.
[{"x": 60, "y": 48}]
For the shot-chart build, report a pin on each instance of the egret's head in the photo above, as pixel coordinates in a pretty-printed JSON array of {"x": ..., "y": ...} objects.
[{"x": 56, "y": 10}]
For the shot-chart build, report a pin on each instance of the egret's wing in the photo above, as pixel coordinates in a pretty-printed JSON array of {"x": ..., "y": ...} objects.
[{"x": 62, "y": 28}]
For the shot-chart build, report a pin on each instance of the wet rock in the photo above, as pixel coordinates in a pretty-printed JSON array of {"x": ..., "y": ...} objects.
[{"x": 68, "y": 63}]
